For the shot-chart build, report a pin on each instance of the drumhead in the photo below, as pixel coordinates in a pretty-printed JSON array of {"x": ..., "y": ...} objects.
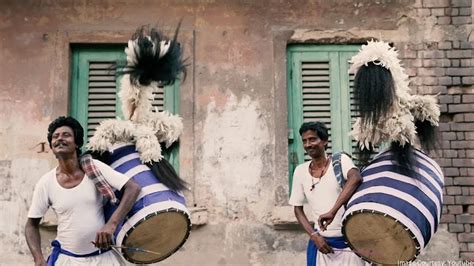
[
  {"x": 161, "y": 233},
  {"x": 379, "y": 238}
]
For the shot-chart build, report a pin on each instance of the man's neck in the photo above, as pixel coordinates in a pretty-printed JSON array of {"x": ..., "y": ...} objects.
[
  {"x": 68, "y": 165},
  {"x": 319, "y": 161}
]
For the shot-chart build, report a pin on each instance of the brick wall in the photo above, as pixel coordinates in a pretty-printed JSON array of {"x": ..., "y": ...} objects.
[{"x": 447, "y": 67}]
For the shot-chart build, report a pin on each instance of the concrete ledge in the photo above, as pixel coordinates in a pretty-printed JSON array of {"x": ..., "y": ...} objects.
[
  {"x": 283, "y": 218},
  {"x": 198, "y": 216}
]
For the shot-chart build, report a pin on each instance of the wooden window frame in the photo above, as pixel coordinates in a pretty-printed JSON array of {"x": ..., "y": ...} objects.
[{"x": 340, "y": 102}]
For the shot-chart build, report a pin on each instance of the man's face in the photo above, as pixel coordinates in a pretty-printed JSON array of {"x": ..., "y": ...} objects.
[
  {"x": 312, "y": 144},
  {"x": 62, "y": 141}
]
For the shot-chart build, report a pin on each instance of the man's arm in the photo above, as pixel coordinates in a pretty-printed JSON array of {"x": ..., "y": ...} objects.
[
  {"x": 317, "y": 239},
  {"x": 105, "y": 235},
  {"x": 353, "y": 181},
  {"x": 33, "y": 239}
]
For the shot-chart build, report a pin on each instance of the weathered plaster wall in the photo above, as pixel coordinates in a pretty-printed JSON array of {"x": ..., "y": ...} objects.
[{"x": 234, "y": 149}]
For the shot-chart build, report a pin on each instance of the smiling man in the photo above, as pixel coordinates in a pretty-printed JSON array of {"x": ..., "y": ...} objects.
[
  {"x": 316, "y": 182},
  {"x": 83, "y": 237}
]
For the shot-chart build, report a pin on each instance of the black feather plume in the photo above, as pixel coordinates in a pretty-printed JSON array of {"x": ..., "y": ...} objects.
[
  {"x": 149, "y": 66},
  {"x": 166, "y": 174},
  {"x": 374, "y": 92}
]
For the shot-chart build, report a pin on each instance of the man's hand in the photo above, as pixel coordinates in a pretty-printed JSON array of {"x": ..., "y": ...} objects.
[
  {"x": 325, "y": 219},
  {"x": 104, "y": 237},
  {"x": 320, "y": 242}
]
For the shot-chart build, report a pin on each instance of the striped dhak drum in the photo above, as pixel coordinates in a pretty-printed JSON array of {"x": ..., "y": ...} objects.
[
  {"x": 158, "y": 223},
  {"x": 394, "y": 212}
]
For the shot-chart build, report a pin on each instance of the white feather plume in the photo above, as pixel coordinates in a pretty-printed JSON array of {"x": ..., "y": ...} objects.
[
  {"x": 425, "y": 107},
  {"x": 400, "y": 126},
  {"x": 147, "y": 144},
  {"x": 130, "y": 52},
  {"x": 110, "y": 132},
  {"x": 143, "y": 126}
]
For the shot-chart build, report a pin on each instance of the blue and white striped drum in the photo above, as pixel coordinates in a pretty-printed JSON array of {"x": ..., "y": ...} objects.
[
  {"x": 159, "y": 222},
  {"x": 394, "y": 212}
]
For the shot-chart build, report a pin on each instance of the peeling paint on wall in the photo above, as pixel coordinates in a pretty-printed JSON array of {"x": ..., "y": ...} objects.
[
  {"x": 20, "y": 175},
  {"x": 234, "y": 137}
]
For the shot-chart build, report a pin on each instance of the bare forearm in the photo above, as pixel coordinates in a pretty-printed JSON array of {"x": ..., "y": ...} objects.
[
  {"x": 303, "y": 220},
  {"x": 33, "y": 239},
  {"x": 129, "y": 197},
  {"x": 353, "y": 181}
]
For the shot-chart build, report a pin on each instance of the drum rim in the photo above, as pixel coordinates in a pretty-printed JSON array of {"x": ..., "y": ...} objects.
[
  {"x": 412, "y": 235},
  {"x": 172, "y": 209}
]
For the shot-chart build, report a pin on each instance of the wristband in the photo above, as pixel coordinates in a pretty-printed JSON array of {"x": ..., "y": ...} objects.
[{"x": 314, "y": 233}]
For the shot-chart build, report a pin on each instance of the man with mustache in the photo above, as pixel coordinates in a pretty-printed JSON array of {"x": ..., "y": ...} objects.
[
  {"x": 316, "y": 182},
  {"x": 83, "y": 238}
]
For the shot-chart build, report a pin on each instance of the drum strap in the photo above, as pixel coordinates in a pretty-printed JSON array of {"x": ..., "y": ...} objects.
[
  {"x": 93, "y": 172},
  {"x": 337, "y": 166}
]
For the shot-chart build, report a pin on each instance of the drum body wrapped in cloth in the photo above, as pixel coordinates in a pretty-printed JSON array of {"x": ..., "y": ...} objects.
[
  {"x": 395, "y": 211},
  {"x": 159, "y": 221}
]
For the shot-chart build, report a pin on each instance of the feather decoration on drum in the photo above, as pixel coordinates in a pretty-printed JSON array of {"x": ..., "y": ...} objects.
[
  {"x": 159, "y": 222},
  {"x": 397, "y": 208}
]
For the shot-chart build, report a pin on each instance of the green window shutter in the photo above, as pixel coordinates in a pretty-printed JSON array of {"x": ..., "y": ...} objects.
[
  {"x": 102, "y": 94},
  {"x": 94, "y": 85},
  {"x": 94, "y": 88},
  {"x": 319, "y": 89}
]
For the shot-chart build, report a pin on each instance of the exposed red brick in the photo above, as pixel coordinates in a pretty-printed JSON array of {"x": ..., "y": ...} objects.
[
  {"x": 448, "y": 181},
  {"x": 435, "y": 3},
  {"x": 464, "y": 199},
  {"x": 453, "y": 191},
  {"x": 461, "y": 20},
  {"x": 460, "y": 108},
  {"x": 470, "y": 153},
  {"x": 450, "y": 153},
  {"x": 462, "y": 127},
  {"x": 469, "y": 135},
  {"x": 465, "y": 11},
  {"x": 467, "y": 81},
  {"x": 456, "y": 228},
  {"x": 445, "y": 20},
  {"x": 445, "y": 45},
  {"x": 468, "y": 98},
  {"x": 464, "y": 219},
  {"x": 467, "y": 228},
  {"x": 464, "y": 181},
  {"x": 459, "y": 3},
  {"x": 463, "y": 162},
  {"x": 466, "y": 237},
  {"x": 455, "y": 209},
  {"x": 448, "y": 136},
  {"x": 469, "y": 117},
  {"x": 447, "y": 218},
  {"x": 469, "y": 256},
  {"x": 461, "y": 144}
]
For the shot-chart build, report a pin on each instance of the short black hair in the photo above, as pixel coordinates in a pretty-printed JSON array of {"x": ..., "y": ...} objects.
[
  {"x": 318, "y": 127},
  {"x": 73, "y": 124}
]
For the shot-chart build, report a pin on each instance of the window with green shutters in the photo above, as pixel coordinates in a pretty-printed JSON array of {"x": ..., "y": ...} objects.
[
  {"x": 94, "y": 89},
  {"x": 319, "y": 89}
]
